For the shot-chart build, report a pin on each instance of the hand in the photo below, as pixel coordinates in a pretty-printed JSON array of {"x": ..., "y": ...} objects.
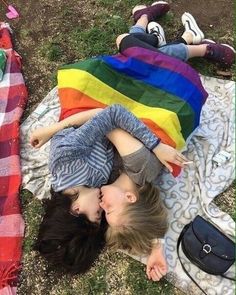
[
  {"x": 40, "y": 136},
  {"x": 156, "y": 264},
  {"x": 166, "y": 153}
]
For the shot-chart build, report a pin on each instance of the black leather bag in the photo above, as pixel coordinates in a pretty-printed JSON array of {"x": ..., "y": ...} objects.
[{"x": 206, "y": 247}]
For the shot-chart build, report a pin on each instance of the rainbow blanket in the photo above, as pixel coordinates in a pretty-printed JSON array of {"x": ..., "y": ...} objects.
[{"x": 165, "y": 93}]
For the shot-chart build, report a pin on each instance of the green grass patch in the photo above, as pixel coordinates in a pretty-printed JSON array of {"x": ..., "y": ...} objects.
[
  {"x": 33, "y": 211},
  {"x": 52, "y": 51},
  {"x": 97, "y": 282},
  {"x": 98, "y": 39},
  {"x": 139, "y": 284},
  {"x": 24, "y": 33}
]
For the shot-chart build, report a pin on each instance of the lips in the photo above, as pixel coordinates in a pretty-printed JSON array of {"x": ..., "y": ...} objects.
[{"x": 100, "y": 195}]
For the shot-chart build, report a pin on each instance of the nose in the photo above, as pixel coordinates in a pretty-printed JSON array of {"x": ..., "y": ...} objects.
[{"x": 103, "y": 188}]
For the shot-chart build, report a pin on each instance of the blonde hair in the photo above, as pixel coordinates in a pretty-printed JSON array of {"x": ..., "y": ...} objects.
[{"x": 145, "y": 220}]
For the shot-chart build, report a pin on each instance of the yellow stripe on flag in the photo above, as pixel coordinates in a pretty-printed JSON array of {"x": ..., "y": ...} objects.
[{"x": 96, "y": 89}]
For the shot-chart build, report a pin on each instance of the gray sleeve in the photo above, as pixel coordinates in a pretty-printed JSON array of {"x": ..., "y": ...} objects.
[
  {"x": 142, "y": 166},
  {"x": 112, "y": 117}
]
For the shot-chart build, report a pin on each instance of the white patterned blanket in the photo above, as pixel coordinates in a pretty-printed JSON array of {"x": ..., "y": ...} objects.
[{"x": 190, "y": 194}]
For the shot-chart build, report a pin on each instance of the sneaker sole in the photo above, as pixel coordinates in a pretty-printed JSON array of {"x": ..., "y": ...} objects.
[
  {"x": 188, "y": 17},
  {"x": 137, "y": 8},
  {"x": 229, "y": 47},
  {"x": 209, "y": 41},
  {"x": 159, "y": 2},
  {"x": 145, "y": 6}
]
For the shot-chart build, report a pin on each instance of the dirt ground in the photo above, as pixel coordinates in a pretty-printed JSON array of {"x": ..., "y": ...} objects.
[{"x": 43, "y": 21}]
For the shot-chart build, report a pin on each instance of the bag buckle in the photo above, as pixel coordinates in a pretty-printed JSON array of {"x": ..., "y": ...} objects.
[{"x": 206, "y": 248}]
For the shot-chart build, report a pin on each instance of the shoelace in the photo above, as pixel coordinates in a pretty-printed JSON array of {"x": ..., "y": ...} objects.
[{"x": 157, "y": 34}]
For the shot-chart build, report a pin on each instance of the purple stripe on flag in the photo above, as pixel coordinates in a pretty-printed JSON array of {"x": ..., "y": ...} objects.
[{"x": 164, "y": 61}]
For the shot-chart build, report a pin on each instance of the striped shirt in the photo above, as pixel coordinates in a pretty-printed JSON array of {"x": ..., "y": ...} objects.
[{"x": 84, "y": 156}]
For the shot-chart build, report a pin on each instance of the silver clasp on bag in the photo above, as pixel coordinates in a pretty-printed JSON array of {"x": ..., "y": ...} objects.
[{"x": 206, "y": 248}]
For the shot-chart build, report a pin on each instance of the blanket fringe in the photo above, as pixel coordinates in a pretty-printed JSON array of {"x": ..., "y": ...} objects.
[{"x": 8, "y": 274}]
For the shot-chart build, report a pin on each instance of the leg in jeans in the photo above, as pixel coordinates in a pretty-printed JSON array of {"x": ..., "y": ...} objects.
[
  {"x": 139, "y": 31},
  {"x": 181, "y": 48},
  {"x": 139, "y": 38},
  {"x": 126, "y": 41}
]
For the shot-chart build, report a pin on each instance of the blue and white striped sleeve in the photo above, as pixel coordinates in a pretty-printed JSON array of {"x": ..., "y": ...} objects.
[{"x": 112, "y": 117}]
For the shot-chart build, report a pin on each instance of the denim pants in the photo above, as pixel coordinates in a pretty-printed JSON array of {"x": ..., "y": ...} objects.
[{"x": 149, "y": 41}]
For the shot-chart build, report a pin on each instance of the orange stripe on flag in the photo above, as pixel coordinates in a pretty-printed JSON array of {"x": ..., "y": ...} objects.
[
  {"x": 159, "y": 132},
  {"x": 71, "y": 98},
  {"x": 74, "y": 101}
]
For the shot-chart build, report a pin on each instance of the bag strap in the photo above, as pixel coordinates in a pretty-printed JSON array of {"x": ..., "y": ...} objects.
[
  {"x": 232, "y": 279},
  {"x": 185, "y": 270}
]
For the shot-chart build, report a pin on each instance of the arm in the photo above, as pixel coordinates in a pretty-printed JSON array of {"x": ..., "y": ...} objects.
[
  {"x": 166, "y": 153},
  {"x": 113, "y": 117},
  {"x": 117, "y": 116},
  {"x": 41, "y": 135},
  {"x": 156, "y": 263},
  {"x": 139, "y": 163},
  {"x": 105, "y": 121},
  {"x": 126, "y": 144}
]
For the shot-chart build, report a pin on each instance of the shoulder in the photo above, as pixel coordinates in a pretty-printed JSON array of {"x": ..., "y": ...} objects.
[{"x": 142, "y": 166}]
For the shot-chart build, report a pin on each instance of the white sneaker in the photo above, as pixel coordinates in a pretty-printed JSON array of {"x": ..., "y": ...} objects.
[
  {"x": 157, "y": 30},
  {"x": 191, "y": 26}
]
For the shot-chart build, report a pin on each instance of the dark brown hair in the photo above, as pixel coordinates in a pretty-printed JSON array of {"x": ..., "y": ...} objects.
[{"x": 66, "y": 241}]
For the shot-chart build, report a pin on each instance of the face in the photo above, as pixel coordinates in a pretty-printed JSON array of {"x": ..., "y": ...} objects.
[
  {"x": 86, "y": 200},
  {"x": 113, "y": 202}
]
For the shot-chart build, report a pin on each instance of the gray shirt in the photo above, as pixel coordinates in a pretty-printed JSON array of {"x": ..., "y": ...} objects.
[{"x": 142, "y": 166}]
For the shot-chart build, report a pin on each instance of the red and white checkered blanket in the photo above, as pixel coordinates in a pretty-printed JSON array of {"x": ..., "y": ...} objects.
[{"x": 13, "y": 96}]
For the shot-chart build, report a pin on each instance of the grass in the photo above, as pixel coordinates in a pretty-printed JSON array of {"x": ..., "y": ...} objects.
[
  {"x": 95, "y": 40},
  {"x": 97, "y": 283},
  {"x": 139, "y": 285},
  {"x": 34, "y": 210}
]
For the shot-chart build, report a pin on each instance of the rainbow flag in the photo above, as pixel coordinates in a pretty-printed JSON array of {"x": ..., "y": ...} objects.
[{"x": 164, "y": 92}]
